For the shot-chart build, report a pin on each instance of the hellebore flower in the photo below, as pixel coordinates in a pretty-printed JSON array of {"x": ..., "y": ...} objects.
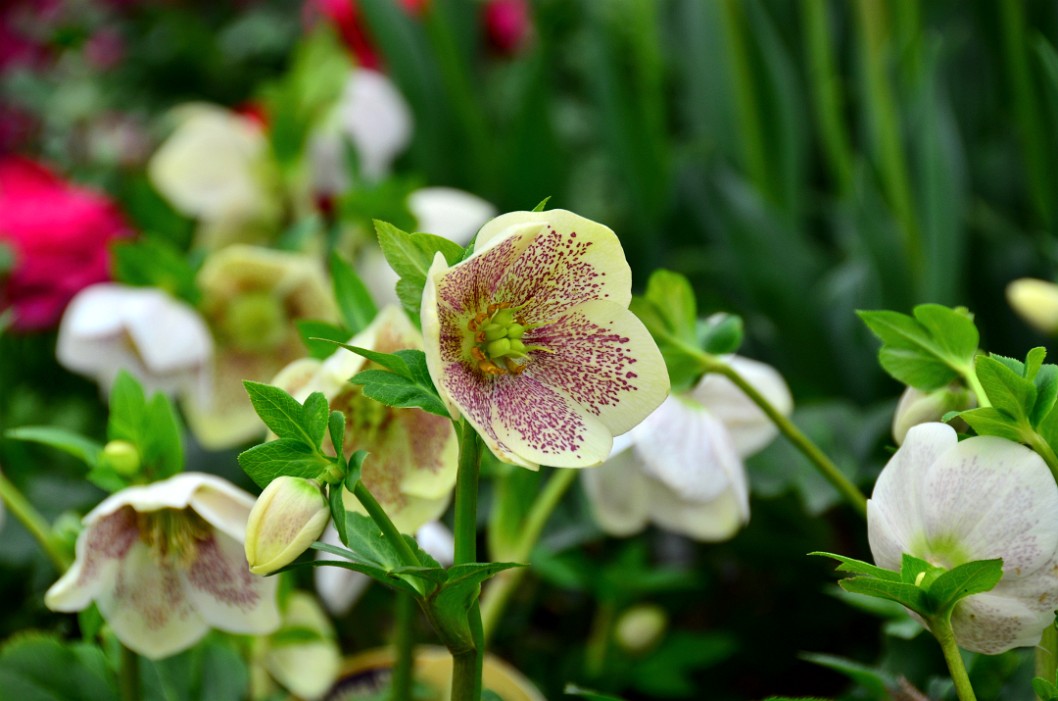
[
  {"x": 950, "y": 502},
  {"x": 339, "y": 588},
  {"x": 164, "y": 563},
  {"x": 1035, "y": 301},
  {"x": 682, "y": 467},
  {"x": 303, "y": 655},
  {"x": 161, "y": 341},
  {"x": 287, "y": 518},
  {"x": 57, "y": 234},
  {"x": 414, "y": 455},
  {"x": 251, "y": 298},
  {"x": 531, "y": 340},
  {"x": 918, "y": 407}
]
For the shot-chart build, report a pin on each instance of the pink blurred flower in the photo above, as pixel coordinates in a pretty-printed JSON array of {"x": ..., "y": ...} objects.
[
  {"x": 58, "y": 234},
  {"x": 347, "y": 18},
  {"x": 507, "y": 25},
  {"x": 105, "y": 49}
]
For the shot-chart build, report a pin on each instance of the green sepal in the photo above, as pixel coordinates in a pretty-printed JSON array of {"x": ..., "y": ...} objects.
[
  {"x": 356, "y": 467},
  {"x": 721, "y": 334},
  {"x": 285, "y": 456},
  {"x": 410, "y": 256},
  {"x": 355, "y": 303},
  {"x": 336, "y": 500},
  {"x": 541, "y": 205}
]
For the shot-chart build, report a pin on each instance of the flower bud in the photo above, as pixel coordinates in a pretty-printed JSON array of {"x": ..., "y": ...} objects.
[
  {"x": 918, "y": 407},
  {"x": 641, "y": 628},
  {"x": 1035, "y": 301},
  {"x": 290, "y": 515},
  {"x": 122, "y": 457}
]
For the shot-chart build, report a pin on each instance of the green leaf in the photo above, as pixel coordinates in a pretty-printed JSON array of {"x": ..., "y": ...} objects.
[
  {"x": 84, "y": 449},
  {"x": 286, "y": 456},
  {"x": 391, "y": 361},
  {"x": 336, "y": 427},
  {"x": 989, "y": 421},
  {"x": 1046, "y": 381},
  {"x": 1008, "y": 391},
  {"x": 1034, "y": 361},
  {"x": 161, "y": 444},
  {"x": 673, "y": 297},
  {"x": 1046, "y": 690},
  {"x": 153, "y": 262},
  {"x": 281, "y": 413},
  {"x": 37, "y": 667},
  {"x": 721, "y": 335},
  {"x": 540, "y": 206},
  {"x": 315, "y": 416},
  {"x": 901, "y": 592},
  {"x": 354, "y": 300},
  {"x": 127, "y": 408},
  {"x": 965, "y": 580},
  {"x": 351, "y": 561},
  {"x": 410, "y": 256},
  {"x": 319, "y": 337},
  {"x": 396, "y": 391},
  {"x": 858, "y": 567},
  {"x": 911, "y": 567},
  {"x": 336, "y": 498}
]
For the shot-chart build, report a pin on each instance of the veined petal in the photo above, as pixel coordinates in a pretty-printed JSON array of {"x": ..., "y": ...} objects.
[
  {"x": 618, "y": 494},
  {"x": 307, "y": 668},
  {"x": 992, "y": 623},
  {"x": 603, "y": 358},
  {"x": 225, "y": 594},
  {"x": 993, "y": 498},
  {"x": 710, "y": 521},
  {"x": 148, "y": 608},
  {"x": 101, "y": 547},
  {"x": 749, "y": 427}
]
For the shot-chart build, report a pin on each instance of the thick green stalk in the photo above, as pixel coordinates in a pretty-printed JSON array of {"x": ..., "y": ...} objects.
[
  {"x": 29, "y": 517},
  {"x": 1047, "y": 653},
  {"x": 810, "y": 450},
  {"x": 942, "y": 631},
  {"x": 826, "y": 92},
  {"x": 129, "y": 678},
  {"x": 467, "y": 663},
  {"x": 499, "y": 590},
  {"x": 404, "y": 665}
]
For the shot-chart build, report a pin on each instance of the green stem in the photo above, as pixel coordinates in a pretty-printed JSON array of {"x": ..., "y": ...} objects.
[
  {"x": 29, "y": 517},
  {"x": 1044, "y": 450},
  {"x": 389, "y": 530},
  {"x": 810, "y": 450},
  {"x": 404, "y": 666},
  {"x": 970, "y": 375},
  {"x": 129, "y": 678},
  {"x": 499, "y": 591},
  {"x": 942, "y": 631},
  {"x": 1047, "y": 653},
  {"x": 467, "y": 663},
  {"x": 599, "y": 641}
]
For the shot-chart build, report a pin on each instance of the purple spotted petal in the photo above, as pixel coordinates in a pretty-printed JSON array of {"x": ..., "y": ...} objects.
[
  {"x": 100, "y": 549},
  {"x": 225, "y": 593}
]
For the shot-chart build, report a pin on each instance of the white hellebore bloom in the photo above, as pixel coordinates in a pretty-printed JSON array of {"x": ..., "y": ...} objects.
[
  {"x": 682, "y": 467},
  {"x": 950, "y": 502},
  {"x": 164, "y": 562},
  {"x": 373, "y": 115},
  {"x": 163, "y": 342},
  {"x": 307, "y": 664},
  {"x": 340, "y": 588}
]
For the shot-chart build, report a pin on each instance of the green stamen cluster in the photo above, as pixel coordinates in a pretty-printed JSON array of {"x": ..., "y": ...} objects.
[
  {"x": 503, "y": 336},
  {"x": 173, "y": 534},
  {"x": 255, "y": 321}
]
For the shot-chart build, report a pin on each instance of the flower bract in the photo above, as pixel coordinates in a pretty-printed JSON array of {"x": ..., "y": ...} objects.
[
  {"x": 950, "y": 502},
  {"x": 682, "y": 467},
  {"x": 164, "y": 563},
  {"x": 531, "y": 340}
]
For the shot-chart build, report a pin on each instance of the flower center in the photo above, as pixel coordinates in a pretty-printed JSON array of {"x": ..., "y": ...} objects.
[
  {"x": 173, "y": 534},
  {"x": 498, "y": 348},
  {"x": 255, "y": 321}
]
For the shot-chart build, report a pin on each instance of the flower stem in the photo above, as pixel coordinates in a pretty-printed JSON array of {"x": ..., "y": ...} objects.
[
  {"x": 404, "y": 666},
  {"x": 1047, "y": 653},
  {"x": 599, "y": 641},
  {"x": 467, "y": 663},
  {"x": 810, "y": 450},
  {"x": 941, "y": 627},
  {"x": 382, "y": 520},
  {"x": 499, "y": 591},
  {"x": 33, "y": 522},
  {"x": 129, "y": 679}
]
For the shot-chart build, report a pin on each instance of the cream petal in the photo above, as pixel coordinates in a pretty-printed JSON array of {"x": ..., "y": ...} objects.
[
  {"x": 223, "y": 505},
  {"x": 993, "y": 498},
  {"x": 148, "y": 608},
  {"x": 376, "y": 117},
  {"x": 886, "y": 540},
  {"x": 338, "y": 587},
  {"x": 602, "y": 357},
  {"x": 618, "y": 494},
  {"x": 434, "y": 450},
  {"x": 101, "y": 547},
  {"x": 749, "y": 427},
  {"x": 686, "y": 448},
  {"x": 300, "y": 378},
  {"x": 445, "y": 211},
  {"x": 224, "y": 592},
  {"x": 1036, "y": 590},
  {"x": 710, "y": 521},
  {"x": 307, "y": 668},
  {"x": 990, "y": 624},
  {"x": 898, "y": 492},
  {"x": 177, "y": 492},
  {"x": 169, "y": 335}
]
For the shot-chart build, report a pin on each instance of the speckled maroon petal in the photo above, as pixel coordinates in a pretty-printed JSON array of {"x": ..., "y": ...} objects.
[
  {"x": 471, "y": 286},
  {"x": 100, "y": 548},
  {"x": 225, "y": 593}
]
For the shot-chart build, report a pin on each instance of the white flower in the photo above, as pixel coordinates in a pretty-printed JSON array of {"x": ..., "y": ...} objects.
[
  {"x": 161, "y": 341},
  {"x": 682, "y": 467},
  {"x": 339, "y": 588},
  {"x": 1035, "y": 301},
  {"x": 164, "y": 563},
  {"x": 306, "y": 667},
  {"x": 950, "y": 502},
  {"x": 373, "y": 115},
  {"x": 448, "y": 212}
]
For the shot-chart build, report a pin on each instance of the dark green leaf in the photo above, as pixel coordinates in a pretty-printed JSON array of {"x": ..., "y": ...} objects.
[
  {"x": 354, "y": 300},
  {"x": 280, "y": 412},
  {"x": 1046, "y": 381},
  {"x": 336, "y": 427},
  {"x": 874, "y": 681},
  {"x": 286, "y": 456},
  {"x": 42, "y": 668},
  {"x": 1008, "y": 391},
  {"x": 410, "y": 256},
  {"x": 84, "y": 449},
  {"x": 673, "y": 298},
  {"x": 352, "y": 562},
  {"x": 902, "y": 593},
  {"x": 965, "y": 580},
  {"x": 721, "y": 335},
  {"x": 314, "y": 417},
  {"x": 161, "y": 444},
  {"x": 574, "y": 690}
]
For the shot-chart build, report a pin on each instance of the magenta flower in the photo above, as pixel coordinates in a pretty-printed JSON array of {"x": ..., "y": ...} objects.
[{"x": 531, "y": 340}]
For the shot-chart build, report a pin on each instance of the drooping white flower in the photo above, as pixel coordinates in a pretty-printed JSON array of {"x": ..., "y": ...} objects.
[
  {"x": 161, "y": 341},
  {"x": 372, "y": 115},
  {"x": 682, "y": 467},
  {"x": 164, "y": 563},
  {"x": 531, "y": 341},
  {"x": 950, "y": 502},
  {"x": 340, "y": 588},
  {"x": 306, "y": 666},
  {"x": 413, "y": 455},
  {"x": 1035, "y": 301}
]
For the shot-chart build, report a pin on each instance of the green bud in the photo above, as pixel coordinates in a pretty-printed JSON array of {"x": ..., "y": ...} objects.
[
  {"x": 515, "y": 331},
  {"x": 641, "y": 628},
  {"x": 499, "y": 348},
  {"x": 122, "y": 457},
  {"x": 494, "y": 332},
  {"x": 503, "y": 317},
  {"x": 287, "y": 518}
]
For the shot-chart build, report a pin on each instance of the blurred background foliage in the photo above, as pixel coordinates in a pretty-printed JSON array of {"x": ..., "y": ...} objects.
[{"x": 797, "y": 160}]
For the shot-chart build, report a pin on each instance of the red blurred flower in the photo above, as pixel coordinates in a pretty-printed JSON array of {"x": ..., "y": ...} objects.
[
  {"x": 345, "y": 15},
  {"x": 58, "y": 233},
  {"x": 507, "y": 24}
]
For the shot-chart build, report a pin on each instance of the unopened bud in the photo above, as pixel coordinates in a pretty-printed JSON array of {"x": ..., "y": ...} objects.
[
  {"x": 122, "y": 457},
  {"x": 288, "y": 517},
  {"x": 641, "y": 628},
  {"x": 918, "y": 407},
  {"x": 1035, "y": 301}
]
